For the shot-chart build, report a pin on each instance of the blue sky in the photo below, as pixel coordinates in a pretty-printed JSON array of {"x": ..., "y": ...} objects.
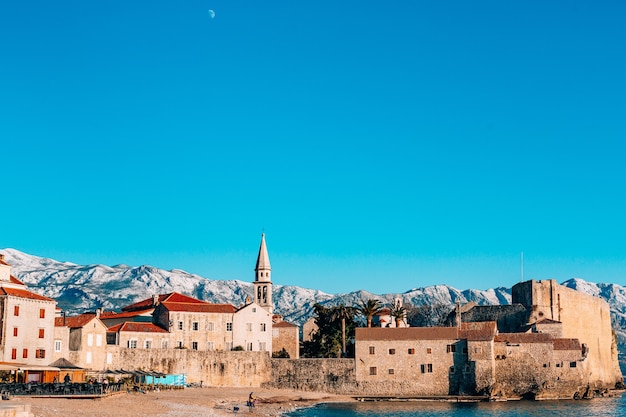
[{"x": 381, "y": 146}]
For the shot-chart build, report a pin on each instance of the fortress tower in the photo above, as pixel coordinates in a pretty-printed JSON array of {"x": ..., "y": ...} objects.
[{"x": 263, "y": 280}]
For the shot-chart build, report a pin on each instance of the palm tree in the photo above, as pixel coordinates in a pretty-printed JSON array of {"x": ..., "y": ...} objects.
[
  {"x": 369, "y": 309},
  {"x": 343, "y": 313},
  {"x": 398, "y": 313}
]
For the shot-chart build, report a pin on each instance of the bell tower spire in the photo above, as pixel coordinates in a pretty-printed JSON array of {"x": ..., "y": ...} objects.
[{"x": 263, "y": 280}]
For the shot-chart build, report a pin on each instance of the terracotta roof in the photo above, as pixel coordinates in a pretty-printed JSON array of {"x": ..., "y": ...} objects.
[
  {"x": 16, "y": 281},
  {"x": 283, "y": 324},
  {"x": 171, "y": 297},
  {"x": 199, "y": 307},
  {"x": 523, "y": 337},
  {"x": 74, "y": 322},
  {"x": 131, "y": 326},
  {"x": 124, "y": 315},
  {"x": 567, "y": 344},
  {"x": 15, "y": 292},
  {"x": 144, "y": 304},
  {"x": 481, "y": 330},
  {"x": 406, "y": 333}
]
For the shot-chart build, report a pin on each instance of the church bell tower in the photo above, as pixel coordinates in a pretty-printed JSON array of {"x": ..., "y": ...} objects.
[{"x": 263, "y": 280}]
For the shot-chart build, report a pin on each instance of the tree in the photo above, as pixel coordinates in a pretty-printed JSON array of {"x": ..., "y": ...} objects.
[
  {"x": 428, "y": 315},
  {"x": 368, "y": 309},
  {"x": 398, "y": 312},
  {"x": 343, "y": 313}
]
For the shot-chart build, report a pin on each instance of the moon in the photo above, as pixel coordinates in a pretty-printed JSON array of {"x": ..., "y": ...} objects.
[{"x": 212, "y": 14}]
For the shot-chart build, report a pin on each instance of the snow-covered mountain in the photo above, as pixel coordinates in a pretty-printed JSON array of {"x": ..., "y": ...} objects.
[{"x": 79, "y": 288}]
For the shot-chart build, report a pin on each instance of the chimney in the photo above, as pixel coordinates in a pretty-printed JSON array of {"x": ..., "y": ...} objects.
[
  {"x": 98, "y": 312},
  {"x": 2, "y": 257},
  {"x": 64, "y": 318},
  {"x": 458, "y": 314},
  {"x": 155, "y": 300}
]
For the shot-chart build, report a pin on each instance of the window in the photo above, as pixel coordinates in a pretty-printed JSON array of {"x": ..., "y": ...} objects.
[
  {"x": 210, "y": 346},
  {"x": 411, "y": 351},
  {"x": 15, "y": 331},
  {"x": 13, "y": 353},
  {"x": 391, "y": 372},
  {"x": 111, "y": 338},
  {"x": 465, "y": 351},
  {"x": 452, "y": 369},
  {"x": 249, "y": 327},
  {"x": 132, "y": 344},
  {"x": 42, "y": 313},
  {"x": 451, "y": 348},
  {"x": 229, "y": 345},
  {"x": 194, "y": 326},
  {"x": 467, "y": 369},
  {"x": 372, "y": 350},
  {"x": 98, "y": 340},
  {"x": 249, "y": 346},
  {"x": 372, "y": 370},
  {"x": 254, "y": 309},
  {"x": 558, "y": 364},
  {"x": 429, "y": 368},
  {"x": 262, "y": 327},
  {"x": 392, "y": 351},
  {"x": 57, "y": 345},
  {"x": 148, "y": 344},
  {"x": 41, "y": 333},
  {"x": 210, "y": 327},
  {"x": 16, "y": 310},
  {"x": 164, "y": 344},
  {"x": 40, "y": 353},
  {"x": 262, "y": 347},
  {"x": 179, "y": 344},
  {"x": 572, "y": 364},
  {"x": 229, "y": 327},
  {"x": 90, "y": 339},
  {"x": 429, "y": 350},
  {"x": 25, "y": 353},
  {"x": 109, "y": 358},
  {"x": 88, "y": 357},
  {"x": 477, "y": 349},
  {"x": 194, "y": 345},
  {"x": 180, "y": 325}
]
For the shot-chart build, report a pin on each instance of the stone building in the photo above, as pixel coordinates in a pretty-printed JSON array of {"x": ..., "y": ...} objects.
[
  {"x": 26, "y": 326},
  {"x": 285, "y": 336},
  {"x": 81, "y": 340},
  {"x": 553, "y": 342}
]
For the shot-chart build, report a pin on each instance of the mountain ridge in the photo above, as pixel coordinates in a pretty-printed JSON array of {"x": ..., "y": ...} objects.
[{"x": 79, "y": 288}]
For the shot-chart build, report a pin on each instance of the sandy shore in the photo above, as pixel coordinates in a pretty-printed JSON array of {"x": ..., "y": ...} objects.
[{"x": 181, "y": 403}]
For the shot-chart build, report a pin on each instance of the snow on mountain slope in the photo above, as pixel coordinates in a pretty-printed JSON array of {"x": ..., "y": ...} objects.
[{"x": 79, "y": 288}]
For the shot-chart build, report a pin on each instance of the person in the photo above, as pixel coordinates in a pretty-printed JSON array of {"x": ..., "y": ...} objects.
[
  {"x": 67, "y": 379},
  {"x": 54, "y": 381},
  {"x": 251, "y": 400}
]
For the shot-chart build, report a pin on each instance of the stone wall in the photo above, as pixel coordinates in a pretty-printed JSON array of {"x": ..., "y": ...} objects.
[
  {"x": 583, "y": 317},
  {"x": 219, "y": 369},
  {"x": 323, "y": 375}
]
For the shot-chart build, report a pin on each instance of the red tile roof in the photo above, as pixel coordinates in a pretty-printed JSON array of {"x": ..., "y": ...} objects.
[
  {"x": 124, "y": 315},
  {"x": 482, "y": 330},
  {"x": 131, "y": 326},
  {"x": 171, "y": 297},
  {"x": 567, "y": 344},
  {"x": 523, "y": 337},
  {"x": 406, "y": 333},
  {"x": 74, "y": 322},
  {"x": 16, "y": 292},
  {"x": 16, "y": 281},
  {"x": 202, "y": 307}
]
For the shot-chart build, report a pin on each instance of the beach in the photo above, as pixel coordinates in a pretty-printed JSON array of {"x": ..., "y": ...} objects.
[{"x": 190, "y": 402}]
